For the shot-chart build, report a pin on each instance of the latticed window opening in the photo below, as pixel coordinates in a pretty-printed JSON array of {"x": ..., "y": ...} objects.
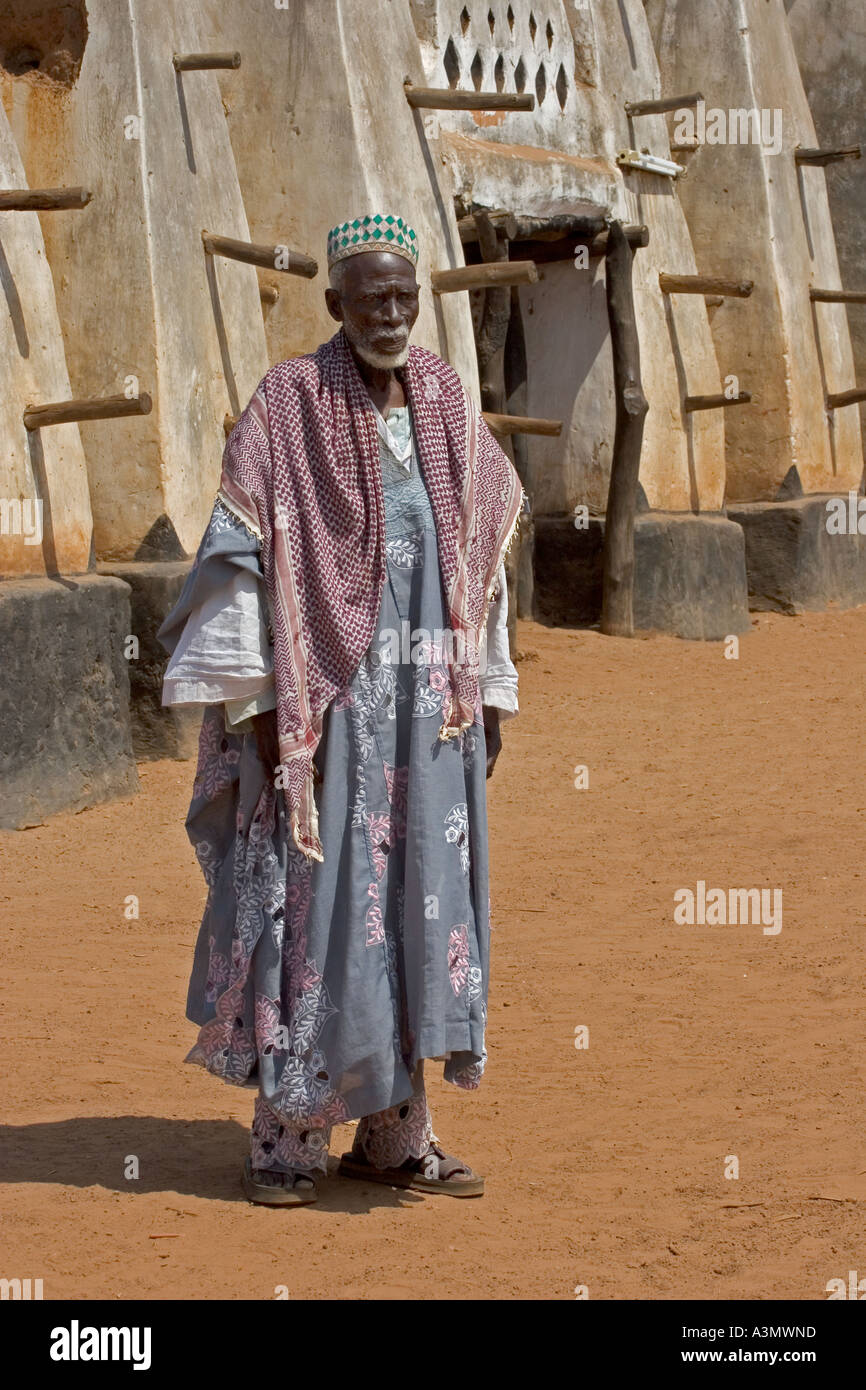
[{"x": 517, "y": 47}]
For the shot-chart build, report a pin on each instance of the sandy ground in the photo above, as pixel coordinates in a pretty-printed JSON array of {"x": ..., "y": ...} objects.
[{"x": 605, "y": 1165}]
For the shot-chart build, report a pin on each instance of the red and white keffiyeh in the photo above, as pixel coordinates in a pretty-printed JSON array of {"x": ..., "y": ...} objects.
[{"x": 301, "y": 470}]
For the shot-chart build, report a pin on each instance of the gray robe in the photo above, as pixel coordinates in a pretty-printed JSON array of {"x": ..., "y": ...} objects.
[{"x": 324, "y": 983}]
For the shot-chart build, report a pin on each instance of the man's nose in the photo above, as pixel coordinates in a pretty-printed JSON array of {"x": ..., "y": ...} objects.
[{"x": 391, "y": 311}]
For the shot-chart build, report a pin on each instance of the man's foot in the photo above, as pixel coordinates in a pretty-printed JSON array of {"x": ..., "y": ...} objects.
[
  {"x": 434, "y": 1171},
  {"x": 271, "y": 1188}
]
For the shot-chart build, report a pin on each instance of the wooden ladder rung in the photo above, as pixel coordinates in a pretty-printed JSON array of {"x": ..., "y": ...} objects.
[
  {"x": 445, "y": 99},
  {"x": 43, "y": 199},
  {"x": 704, "y": 284},
  {"x": 91, "y": 408},
  {"x": 838, "y": 296},
  {"x": 719, "y": 402},
  {"x": 827, "y": 156},
  {"x": 661, "y": 104},
  {"x": 842, "y": 398},
  {"x": 483, "y": 276},
  {"x": 277, "y": 257},
  {"x": 205, "y": 62},
  {"x": 521, "y": 424}
]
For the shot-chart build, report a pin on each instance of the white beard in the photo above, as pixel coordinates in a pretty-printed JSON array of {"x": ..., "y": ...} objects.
[{"x": 385, "y": 361}]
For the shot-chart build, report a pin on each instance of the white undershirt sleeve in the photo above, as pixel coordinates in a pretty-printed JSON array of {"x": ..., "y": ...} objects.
[
  {"x": 224, "y": 653},
  {"x": 498, "y": 675}
]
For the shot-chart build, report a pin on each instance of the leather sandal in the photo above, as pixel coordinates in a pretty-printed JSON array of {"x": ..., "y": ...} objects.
[
  {"x": 283, "y": 1194},
  {"x": 434, "y": 1171}
]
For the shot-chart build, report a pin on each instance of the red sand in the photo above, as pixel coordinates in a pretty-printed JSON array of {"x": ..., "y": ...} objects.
[{"x": 605, "y": 1167}]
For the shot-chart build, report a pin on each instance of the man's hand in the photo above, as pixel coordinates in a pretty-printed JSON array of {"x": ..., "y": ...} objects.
[
  {"x": 492, "y": 736},
  {"x": 267, "y": 743}
]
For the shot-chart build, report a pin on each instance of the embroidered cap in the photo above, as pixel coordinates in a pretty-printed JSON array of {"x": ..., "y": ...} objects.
[{"x": 378, "y": 231}]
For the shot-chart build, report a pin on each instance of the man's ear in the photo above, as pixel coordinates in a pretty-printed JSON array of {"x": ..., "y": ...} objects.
[{"x": 332, "y": 300}]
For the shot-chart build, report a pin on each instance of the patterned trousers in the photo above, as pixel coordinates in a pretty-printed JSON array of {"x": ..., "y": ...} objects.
[{"x": 386, "y": 1138}]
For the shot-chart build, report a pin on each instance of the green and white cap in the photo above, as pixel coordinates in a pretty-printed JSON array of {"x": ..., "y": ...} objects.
[{"x": 380, "y": 231}]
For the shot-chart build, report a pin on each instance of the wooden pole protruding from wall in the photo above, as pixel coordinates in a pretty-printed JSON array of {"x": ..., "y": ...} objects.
[
  {"x": 519, "y": 227},
  {"x": 827, "y": 156},
  {"x": 491, "y": 334},
  {"x": 705, "y": 284},
  {"x": 268, "y": 294},
  {"x": 444, "y": 99},
  {"x": 482, "y": 277},
  {"x": 715, "y": 402},
  {"x": 636, "y": 235},
  {"x": 617, "y": 604},
  {"x": 229, "y": 423},
  {"x": 521, "y": 424},
  {"x": 492, "y": 327},
  {"x": 838, "y": 296},
  {"x": 662, "y": 104},
  {"x": 272, "y": 257},
  {"x": 565, "y": 248},
  {"x": 92, "y": 408},
  {"x": 546, "y": 239},
  {"x": 553, "y": 230},
  {"x": 839, "y": 399},
  {"x": 205, "y": 62},
  {"x": 43, "y": 199},
  {"x": 515, "y": 375}
]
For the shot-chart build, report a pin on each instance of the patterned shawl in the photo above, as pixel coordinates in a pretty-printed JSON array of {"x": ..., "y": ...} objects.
[{"x": 301, "y": 470}]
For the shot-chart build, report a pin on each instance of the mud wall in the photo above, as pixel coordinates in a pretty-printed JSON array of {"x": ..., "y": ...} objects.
[
  {"x": 830, "y": 42},
  {"x": 45, "y": 522},
  {"x": 140, "y": 305},
  {"x": 755, "y": 214}
]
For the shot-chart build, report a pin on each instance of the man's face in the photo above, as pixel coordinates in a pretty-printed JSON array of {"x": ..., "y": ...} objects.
[{"x": 377, "y": 304}]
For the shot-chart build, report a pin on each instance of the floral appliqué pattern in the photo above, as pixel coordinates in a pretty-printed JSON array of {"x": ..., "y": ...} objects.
[
  {"x": 218, "y": 754},
  {"x": 458, "y": 956},
  {"x": 457, "y": 832}
]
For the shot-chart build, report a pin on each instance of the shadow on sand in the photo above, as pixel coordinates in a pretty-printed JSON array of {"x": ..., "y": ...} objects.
[{"x": 196, "y": 1158}]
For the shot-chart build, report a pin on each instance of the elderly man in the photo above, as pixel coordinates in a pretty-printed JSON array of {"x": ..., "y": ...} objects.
[{"x": 345, "y": 625}]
